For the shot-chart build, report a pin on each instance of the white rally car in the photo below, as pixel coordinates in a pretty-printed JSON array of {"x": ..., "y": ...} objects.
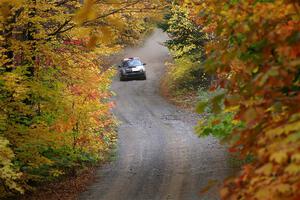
[{"x": 132, "y": 68}]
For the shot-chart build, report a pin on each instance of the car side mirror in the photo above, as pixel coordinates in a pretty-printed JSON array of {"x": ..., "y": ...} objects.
[{"x": 144, "y": 64}]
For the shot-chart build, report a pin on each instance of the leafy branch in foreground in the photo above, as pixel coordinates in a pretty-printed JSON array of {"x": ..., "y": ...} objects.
[
  {"x": 255, "y": 55},
  {"x": 216, "y": 121}
]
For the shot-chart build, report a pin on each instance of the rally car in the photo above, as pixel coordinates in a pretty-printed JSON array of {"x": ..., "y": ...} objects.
[{"x": 132, "y": 68}]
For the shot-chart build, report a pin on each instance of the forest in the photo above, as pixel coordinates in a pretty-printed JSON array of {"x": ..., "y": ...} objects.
[
  {"x": 54, "y": 85},
  {"x": 238, "y": 62}
]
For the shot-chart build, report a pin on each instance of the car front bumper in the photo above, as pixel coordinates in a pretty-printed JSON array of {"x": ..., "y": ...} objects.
[{"x": 134, "y": 75}]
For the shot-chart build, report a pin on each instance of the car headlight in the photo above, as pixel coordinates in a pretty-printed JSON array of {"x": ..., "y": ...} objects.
[{"x": 142, "y": 69}]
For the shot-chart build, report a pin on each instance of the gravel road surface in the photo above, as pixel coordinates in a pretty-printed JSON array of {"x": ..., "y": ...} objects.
[{"x": 159, "y": 157}]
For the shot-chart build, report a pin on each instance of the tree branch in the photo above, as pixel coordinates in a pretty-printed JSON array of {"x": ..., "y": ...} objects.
[
  {"x": 60, "y": 28},
  {"x": 113, "y": 12}
]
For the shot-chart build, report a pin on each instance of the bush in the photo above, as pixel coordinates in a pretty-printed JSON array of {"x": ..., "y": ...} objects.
[
  {"x": 186, "y": 43},
  {"x": 186, "y": 75},
  {"x": 219, "y": 125}
]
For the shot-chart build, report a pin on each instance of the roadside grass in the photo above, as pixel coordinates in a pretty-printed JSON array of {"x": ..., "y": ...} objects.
[
  {"x": 67, "y": 187},
  {"x": 183, "y": 99},
  {"x": 182, "y": 89}
]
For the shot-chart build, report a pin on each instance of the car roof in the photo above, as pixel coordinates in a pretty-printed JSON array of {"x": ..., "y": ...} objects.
[{"x": 131, "y": 58}]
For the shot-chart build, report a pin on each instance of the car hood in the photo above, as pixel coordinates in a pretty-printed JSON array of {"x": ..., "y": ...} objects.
[{"x": 136, "y": 67}]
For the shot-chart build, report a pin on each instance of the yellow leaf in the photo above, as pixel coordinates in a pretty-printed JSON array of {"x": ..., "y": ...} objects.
[
  {"x": 284, "y": 129},
  {"x": 266, "y": 169},
  {"x": 235, "y": 122},
  {"x": 292, "y": 169},
  {"x": 284, "y": 188},
  {"x": 279, "y": 157},
  {"x": 232, "y": 109},
  {"x": 296, "y": 157},
  {"x": 263, "y": 193},
  {"x": 86, "y": 12}
]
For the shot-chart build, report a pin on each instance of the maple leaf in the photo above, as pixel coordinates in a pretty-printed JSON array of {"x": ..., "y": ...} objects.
[{"x": 279, "y": 157}]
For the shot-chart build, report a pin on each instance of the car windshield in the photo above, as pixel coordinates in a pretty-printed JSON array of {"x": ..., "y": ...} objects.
[{"x": 133, "y": 63}]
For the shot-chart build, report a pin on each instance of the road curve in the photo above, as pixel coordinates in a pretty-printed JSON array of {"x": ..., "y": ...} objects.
[{"x": 159, "y": 157}]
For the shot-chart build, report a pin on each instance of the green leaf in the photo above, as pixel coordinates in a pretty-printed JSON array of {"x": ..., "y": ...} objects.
[
  {"x": 201, "y": 105},
  {"x": 216, "y": 102},
  {"x": 294, "y": 38}
]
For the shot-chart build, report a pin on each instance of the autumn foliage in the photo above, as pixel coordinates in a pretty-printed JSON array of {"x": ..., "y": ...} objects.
[
  {"x": 54, "y": 88},
  {"x": 256, "y": 55}
]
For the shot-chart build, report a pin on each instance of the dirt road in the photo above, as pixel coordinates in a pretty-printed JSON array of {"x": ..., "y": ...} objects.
[{"x": 159, "y": 157}]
